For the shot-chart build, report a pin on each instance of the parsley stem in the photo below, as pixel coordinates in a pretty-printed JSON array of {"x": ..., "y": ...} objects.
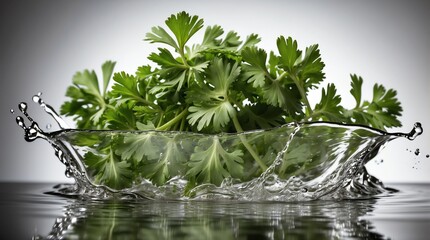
[
  {"x": 247, "y": 145},
  {"x": 146, "y": 102},
  {"x": 182, "y": 126},
  {"x": 302, "y": 92},
  {"x": 184, "y": 59},
  {"x": 280, "y": 77},
  {"x": 173, "y": 121}
]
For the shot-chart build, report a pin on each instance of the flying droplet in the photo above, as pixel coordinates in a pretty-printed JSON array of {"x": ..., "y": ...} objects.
[
  {"x": 68, "y": 173},
  {"x": 48, "y": 126},
  {"x": 20, "y": 122},
  {"x": 37, "y": 99},
  {"x": 12, "y": 111},
  {"x": 428, "y": 155},
  {"x": 22, "y": 107},
  {"x": 417, "y": 151},
  {"x": 415, "y": 132}
]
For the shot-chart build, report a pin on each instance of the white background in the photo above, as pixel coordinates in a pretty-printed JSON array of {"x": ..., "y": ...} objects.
[{"x": 43, "y": 44}]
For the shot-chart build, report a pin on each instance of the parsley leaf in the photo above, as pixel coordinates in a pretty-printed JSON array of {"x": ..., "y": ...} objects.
[
  {"x": 171, "y": 163},
  {"x": 88, "y": 103},
  {"x": 256, "y": 72},
  {"x": 212, "y": 164},
  {"x": 109, "y": 169},
  {"x": 183, "y": 27},
  {"x": 329, "y": 109},
  {"x": 379, "y": 113},
  {"x": 138, "y": 146},
  {"x": 210, "y": 103}
]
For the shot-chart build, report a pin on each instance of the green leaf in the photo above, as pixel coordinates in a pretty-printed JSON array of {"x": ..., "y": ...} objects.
[
  {"x": 311, "y": 68},
  {"x": 356, "y": 83},
  {"x": 295, "y": 158},
  {"x": 182, "y": 25},
  {"x": 211, "y": 36},
  {"x": 107, "y": 70},
  {"x": 166, "y": 60},
  {"x": 256, "y": 71},
  {"x": 250, "y": 41},
  {"x": 210, "y": 102},
  {"x": 211, "y": 40},
  {"x": 383, "y": 111},
  {"x": 273, "y": 63},
  {"x": 109, "y": 169},
  {"x": 137, "y": 146},
  {"x": 283, "y": 96},
  {"x": 121, "y": 118},
  {"x": 125, "y": 89},
  {"x": 205, "y": 115},
  {"x": 260, "y": 116},
  {"x": 88, "y": 83},
  {"x": 170, "y": 164},
  {"x": 214, "y": 163},
  {"x": 385, "y": 108},
  {"x": 329, "y": 108},
  {"x": 88, "y": 103},
  {"x": 174, "y": 73},
  {"x": 288, "y": 51},
  {"x": 231, "y": 41},
  {"x": 159, "y": 35}
]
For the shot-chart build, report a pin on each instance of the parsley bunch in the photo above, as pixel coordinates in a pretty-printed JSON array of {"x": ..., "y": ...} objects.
[{"x": 221, "y": 84}]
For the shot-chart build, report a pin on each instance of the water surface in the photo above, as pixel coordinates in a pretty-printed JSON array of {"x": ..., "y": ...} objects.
[{"x": 28, "y": 210}]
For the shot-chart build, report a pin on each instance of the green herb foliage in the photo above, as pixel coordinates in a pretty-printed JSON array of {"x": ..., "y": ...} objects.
[{"x": 220, "y": 84}]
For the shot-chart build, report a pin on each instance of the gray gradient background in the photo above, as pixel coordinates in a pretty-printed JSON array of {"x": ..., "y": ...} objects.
[{"x": 43, "y": 43}]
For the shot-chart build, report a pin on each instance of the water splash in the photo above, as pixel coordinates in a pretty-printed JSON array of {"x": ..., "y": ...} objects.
[
  {"x": 50, "y": 110},
  {"x": 31, "y": 132},
  {"x": 307, "y": 161}
]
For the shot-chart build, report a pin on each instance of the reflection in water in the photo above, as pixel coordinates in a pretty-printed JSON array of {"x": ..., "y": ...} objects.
[
  {"x": 137, "y": 219},
  {"x": 25, "y": 211}
]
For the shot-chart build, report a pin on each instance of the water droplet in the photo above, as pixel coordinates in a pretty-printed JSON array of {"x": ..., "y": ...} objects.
[
  {"x": 417, "y": 152},
  {"x": 20, "y": 122},
  {"x": 37, "y": 99},
  {"x": 39, "y": 94},
  {"x": 12, "y": 111},
  {"x": 22, "y": 107},
  {"x": 48, "y": 126},
  {"x": 68, "y": 173},
  {"x": 415, "y": 132}
]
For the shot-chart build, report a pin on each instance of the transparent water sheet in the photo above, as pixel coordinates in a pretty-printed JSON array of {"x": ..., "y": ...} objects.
[{"x": 293, "y": 162}]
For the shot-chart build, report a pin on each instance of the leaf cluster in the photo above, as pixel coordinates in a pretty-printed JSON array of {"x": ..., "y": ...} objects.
[{"x": 220, "y": 84}]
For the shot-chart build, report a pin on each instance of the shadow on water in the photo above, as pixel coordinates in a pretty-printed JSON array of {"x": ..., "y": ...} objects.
[{"x": 147, "y": 219}]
